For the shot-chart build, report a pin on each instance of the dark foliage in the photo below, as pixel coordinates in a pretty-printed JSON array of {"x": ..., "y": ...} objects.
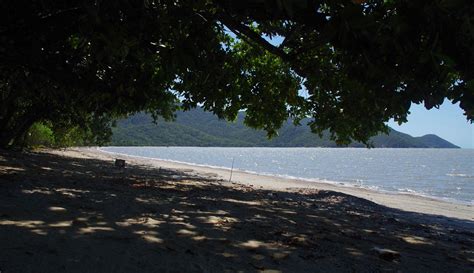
[{"x": 361, "y": 62}]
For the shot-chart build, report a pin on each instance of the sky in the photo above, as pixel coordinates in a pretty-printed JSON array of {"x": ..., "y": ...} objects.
[{"x": 447, "y": 122}]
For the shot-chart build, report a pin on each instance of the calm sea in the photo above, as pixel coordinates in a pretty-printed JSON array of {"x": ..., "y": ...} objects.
[{"x": 440, "y": 173}]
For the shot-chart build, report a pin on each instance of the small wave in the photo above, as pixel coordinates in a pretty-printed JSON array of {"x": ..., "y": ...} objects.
[
  {"x": 460, "y": 175},
  {"x": 409, "y": 191}
]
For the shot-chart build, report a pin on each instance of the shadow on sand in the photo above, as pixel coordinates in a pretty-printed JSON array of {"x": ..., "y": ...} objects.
[{"x": 63, "y": 214}]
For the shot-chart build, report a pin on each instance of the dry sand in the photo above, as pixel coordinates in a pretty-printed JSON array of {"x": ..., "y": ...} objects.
[{"x": 73, "y": 211}]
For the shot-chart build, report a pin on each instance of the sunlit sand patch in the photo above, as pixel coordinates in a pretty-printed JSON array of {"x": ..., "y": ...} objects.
[
  {"x": 277, "y": 256},
  {"x": 221, "y": 212},
  {"x": 334, "y": 199},
  {"x": 229, "y": 255},
  {"x": 318, "y": 217},
  {"x": 207, "y": 198},
  {"x": 146, "y": 221},
  {"x": 148, "y": 201},
  {"x": 207, "y": 212},
  {"x": 370, "y": 231},
  {"x": 70, "y": 192},
  {"x": 149, "y": 236},
  {"x": 24, "y": 223},
  {"x": 199, "y": 238},
  {"x": 254, "y": 244},
  {"x": 184, "y": 224},
  {"x": 61, "y": 224},
  {"x": 39, "y": 232},
  {"x": 10, "y": 168},
  {"x": 89, "y": 230},
  {"x": 354, "y": 251},
  {"x": 57, "y": 209},
  {"x": 356, "y": 213},
  {"x": 288, "y": 211},
  {"x": 416, "y": 240},
  {"x": 127, "y": 222},
  {"x": 42, "y": 191},
  {"x": 192, "y": 183},
  {"x": 176, "y": 218},
  {"x": 168, "y": 187},
  {"x": 251, "y": 203},
  {"x": 186, "y": 232},
  {"x": 152, "y": 239},
  {"x": 144, "y": 232},
  {"x": 222, "y": 222},
  {"x": 299, "y": 240},
  {"x": 177, "y": 211}
]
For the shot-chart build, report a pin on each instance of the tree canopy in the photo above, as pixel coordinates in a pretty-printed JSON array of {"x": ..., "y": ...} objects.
[{"x": 360, "y": 63}]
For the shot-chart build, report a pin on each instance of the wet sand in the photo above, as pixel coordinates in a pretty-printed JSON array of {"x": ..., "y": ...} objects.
[{"x": 74, "y": 211}]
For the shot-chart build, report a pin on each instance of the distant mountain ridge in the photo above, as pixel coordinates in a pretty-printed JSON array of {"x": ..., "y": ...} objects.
[{"x": 199, "y": 128}]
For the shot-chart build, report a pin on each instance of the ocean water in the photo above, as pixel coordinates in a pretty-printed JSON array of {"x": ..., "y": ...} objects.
[{"x": 439, "y": 173}]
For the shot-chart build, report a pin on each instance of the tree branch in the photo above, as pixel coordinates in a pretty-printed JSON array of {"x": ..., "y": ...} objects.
[
  {"x": 290, "y": 36},
  {"x": 246, "y": 33}
]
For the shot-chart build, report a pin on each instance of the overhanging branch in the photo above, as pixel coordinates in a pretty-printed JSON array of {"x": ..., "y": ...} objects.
[{"x": 244, "y": 32}]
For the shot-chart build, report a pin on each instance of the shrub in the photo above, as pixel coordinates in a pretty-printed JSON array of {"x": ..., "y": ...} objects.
[{"x": 39, "y": 135}]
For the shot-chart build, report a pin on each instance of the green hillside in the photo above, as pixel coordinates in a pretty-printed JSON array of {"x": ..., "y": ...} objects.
[{"x": 199, "y": 128}]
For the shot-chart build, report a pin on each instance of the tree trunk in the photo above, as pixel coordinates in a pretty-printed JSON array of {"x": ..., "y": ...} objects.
[
  {"x": 20, "y": 132},
  {"x": 9, "y": 135}
]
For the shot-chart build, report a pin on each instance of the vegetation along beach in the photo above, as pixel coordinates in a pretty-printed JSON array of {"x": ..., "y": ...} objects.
[{"x": 236, "y": 136}]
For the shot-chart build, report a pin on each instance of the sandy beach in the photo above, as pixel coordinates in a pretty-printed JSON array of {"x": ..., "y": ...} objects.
[
  {"x": 408, "y": 202},
  {"x": 73, "y": 211}
]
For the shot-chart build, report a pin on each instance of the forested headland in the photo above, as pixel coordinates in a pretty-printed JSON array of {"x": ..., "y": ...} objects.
[{"x": 199, "y": 128}]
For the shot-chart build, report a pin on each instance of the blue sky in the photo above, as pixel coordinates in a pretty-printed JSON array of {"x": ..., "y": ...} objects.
[{"x": 447, "y": 122}]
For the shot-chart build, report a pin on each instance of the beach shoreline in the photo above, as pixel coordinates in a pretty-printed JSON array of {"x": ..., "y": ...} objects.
[
  {"x": 73, "y": 210},
  {"x": 403, "y": 201}
]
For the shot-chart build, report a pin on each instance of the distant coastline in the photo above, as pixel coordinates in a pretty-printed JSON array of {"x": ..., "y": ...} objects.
[{"x": 202, "y": 129}]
